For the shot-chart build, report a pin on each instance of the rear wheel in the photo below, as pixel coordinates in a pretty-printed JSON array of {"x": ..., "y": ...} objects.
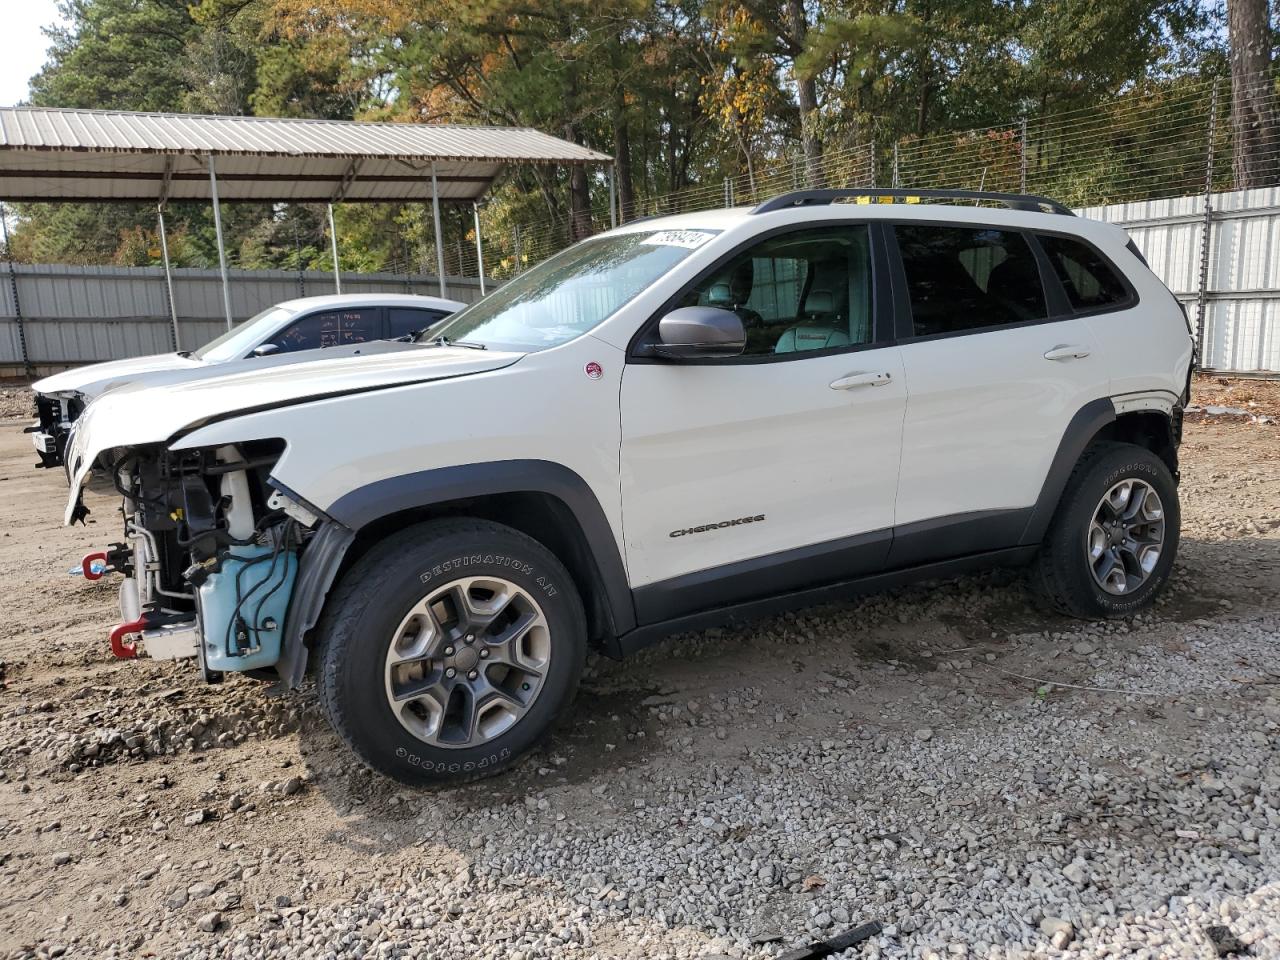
[
  {"x": 450, "y": 650},
  {"x": 1112, "y": 542}
]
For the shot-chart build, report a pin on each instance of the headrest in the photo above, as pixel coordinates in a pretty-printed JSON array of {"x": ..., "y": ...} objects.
[
  {"x": 719, "y": 293},
  {"x": 811, "y": 336},
  {"x": 820, "y": 301}
]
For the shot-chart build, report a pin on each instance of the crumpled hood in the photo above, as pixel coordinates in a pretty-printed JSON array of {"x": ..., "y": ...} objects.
[
  {"x": 98, "y": 377},
  {"x": 143, "y": 413}
]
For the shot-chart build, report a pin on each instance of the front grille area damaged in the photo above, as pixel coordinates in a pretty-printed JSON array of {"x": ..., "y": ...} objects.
[{"x": 208, "y": 562}]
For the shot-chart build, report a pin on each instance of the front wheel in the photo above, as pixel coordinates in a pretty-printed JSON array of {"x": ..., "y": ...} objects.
[
  {"x": 449, "y": 650},
  {"x": 1112, "y": 542}
]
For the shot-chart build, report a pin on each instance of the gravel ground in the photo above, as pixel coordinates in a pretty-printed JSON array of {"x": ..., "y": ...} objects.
[
  {"x": 16, "y": 401},
  {"x": 980, "y": 778}
]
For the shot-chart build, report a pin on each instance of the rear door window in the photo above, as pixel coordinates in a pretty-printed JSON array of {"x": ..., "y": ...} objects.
[
  {"x": 402, "y": 321},
  {"x": 1089, "y": 279},
  {"x": 968, "y": 278}
]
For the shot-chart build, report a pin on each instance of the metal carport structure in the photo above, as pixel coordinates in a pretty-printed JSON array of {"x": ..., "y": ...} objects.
[{"x": 67, "y": 155}]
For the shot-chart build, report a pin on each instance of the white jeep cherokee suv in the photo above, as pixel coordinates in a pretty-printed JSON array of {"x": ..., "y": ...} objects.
[{"x": 679, "y": 422}]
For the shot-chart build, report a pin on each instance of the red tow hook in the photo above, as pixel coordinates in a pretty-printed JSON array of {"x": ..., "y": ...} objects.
[
  {"x": 86, "y": 565},
  {"x": 126, "y": 651}
]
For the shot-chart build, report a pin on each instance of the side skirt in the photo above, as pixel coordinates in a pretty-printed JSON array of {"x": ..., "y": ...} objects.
[{"x": 650, "y": 634}]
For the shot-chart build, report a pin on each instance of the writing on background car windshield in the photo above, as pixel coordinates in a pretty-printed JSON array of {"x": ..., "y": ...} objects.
[{"x": 678, "y": 238}]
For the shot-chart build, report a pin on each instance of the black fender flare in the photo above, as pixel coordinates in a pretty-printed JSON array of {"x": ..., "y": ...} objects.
[
  {"x": 341, "y": 522},
  {"x": 1081, "y": 430}
]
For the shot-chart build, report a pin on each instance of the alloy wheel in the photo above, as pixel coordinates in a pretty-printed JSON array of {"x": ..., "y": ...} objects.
[
  {"x": 1125, "y": 537},
  {"x": 467, "y": 662}
]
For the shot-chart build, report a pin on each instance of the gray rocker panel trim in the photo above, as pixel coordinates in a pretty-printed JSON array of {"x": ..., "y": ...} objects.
[
  {"x": 745, "y": 580},
  {"x": 427, "y": 487}
]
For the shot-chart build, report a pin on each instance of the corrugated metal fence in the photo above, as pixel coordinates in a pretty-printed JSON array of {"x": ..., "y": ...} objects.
[
  {"x": 74, "y": 315},
  {"x": 1232, "y": 281}
]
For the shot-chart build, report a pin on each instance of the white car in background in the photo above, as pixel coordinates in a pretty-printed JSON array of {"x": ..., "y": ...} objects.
[{"x": 345, "y": 321}]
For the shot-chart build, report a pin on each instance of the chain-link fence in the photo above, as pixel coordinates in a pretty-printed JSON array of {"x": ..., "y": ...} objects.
[{"x": 1163, "y": 139}]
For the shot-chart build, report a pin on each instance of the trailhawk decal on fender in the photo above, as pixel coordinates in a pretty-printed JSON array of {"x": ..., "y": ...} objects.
[{"x": 758, "y": 518}]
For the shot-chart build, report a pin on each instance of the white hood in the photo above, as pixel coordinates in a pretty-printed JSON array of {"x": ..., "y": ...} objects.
[
  {"x": 142, "y": 413},
  {"x": 96, "y": 378}
]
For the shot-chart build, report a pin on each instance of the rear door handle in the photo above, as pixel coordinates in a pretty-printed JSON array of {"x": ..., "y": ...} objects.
[
  {"x": 861, "y": 380},
  {"x": 1066, "y": 352}
]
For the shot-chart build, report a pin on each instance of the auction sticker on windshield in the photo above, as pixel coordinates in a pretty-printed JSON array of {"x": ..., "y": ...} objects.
[{"x": 678, "y": 238}]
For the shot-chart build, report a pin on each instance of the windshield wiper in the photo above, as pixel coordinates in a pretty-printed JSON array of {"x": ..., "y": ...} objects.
[{"x": 470, "y": 345}]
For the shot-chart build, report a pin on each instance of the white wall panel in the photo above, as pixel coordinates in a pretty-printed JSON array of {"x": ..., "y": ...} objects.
[{"x": 1242, "y": 319}]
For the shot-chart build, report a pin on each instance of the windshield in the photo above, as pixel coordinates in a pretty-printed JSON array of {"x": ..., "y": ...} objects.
[
  {"x": 242, "y": 338},
  {"x": 571, "y": 293}
]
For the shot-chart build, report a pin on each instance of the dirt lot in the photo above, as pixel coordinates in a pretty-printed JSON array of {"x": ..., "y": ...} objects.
[{"x": 978, "y": 777}]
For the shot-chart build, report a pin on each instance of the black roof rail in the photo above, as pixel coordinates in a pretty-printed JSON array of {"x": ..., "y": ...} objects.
[{"x": 1014, "y": 201}]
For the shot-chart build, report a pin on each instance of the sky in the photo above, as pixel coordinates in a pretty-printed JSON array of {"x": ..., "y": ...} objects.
[{"x": 23, "y": 46}]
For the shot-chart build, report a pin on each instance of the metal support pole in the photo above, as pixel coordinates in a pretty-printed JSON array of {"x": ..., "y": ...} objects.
[
  {"x": 475, "y": 212},
  {"x": 222, "y": 251},
  {"x": 613, "y": 194},
  {"x": 168, "y": 279},
  {"x": 1206, "y": 230},
  {"x": 519, "y": 262},
  {"x": 297, "y": 253},
  {"x": 896, "y": 181},
  {"x": 435, "y": 216},
  {"x": 13, "y": 290},
  {"x": 333, "y": 243},
  {"x": 1022, "y": 149}
]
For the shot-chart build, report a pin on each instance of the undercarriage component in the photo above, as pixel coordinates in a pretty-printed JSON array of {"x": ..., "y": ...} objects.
[{"x": 172, "y": 642}]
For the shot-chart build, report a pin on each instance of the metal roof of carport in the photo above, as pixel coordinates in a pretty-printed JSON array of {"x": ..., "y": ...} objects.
[
  {"x": 103, "y": 155},
  {"x": 59, "y": 155}
]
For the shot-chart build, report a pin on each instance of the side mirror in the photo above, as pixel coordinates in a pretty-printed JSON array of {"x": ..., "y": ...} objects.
[
  {"x": 690, "y": 333},
  {"x": 264, "y": 350}
]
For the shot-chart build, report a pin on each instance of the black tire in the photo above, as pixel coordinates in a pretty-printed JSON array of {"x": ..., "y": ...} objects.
[
  {"x": 364, "y": 611},
  {"x": 1061, "y": 575}
]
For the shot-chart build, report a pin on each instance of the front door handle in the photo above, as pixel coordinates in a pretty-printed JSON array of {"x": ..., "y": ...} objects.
[
  {"x": 1066, "y": 352},
  {"x": 861, "y": 380}
]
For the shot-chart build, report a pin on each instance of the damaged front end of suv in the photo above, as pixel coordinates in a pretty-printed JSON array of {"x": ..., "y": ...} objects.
[
  {"x": 220, "y": 558},
  {"x": 209, "y": 556}
]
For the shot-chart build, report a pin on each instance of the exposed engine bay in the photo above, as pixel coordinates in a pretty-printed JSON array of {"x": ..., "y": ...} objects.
[{"x": 209, "y": 557}]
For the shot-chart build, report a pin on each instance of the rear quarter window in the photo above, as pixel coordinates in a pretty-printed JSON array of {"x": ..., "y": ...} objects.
[{"x": 1089, "y": 279}]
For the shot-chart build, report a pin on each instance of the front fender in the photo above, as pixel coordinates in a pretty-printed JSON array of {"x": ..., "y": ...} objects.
[{"x": 342, "y": 521}]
